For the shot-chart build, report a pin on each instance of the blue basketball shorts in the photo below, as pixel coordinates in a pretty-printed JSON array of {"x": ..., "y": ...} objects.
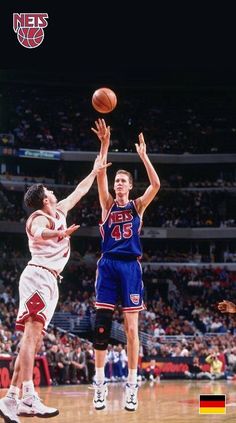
[{"x": 119, "y": 281}]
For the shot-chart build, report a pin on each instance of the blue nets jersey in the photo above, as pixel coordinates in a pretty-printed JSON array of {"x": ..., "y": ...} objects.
[{"x": 121, "y": 231}]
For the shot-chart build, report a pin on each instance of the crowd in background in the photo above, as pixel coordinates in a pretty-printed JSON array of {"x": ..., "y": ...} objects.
[
  {"x": 179, "y": 302},
  {"x": 171, "y": 208},
  {"x": 181, "y": 317},
  {"x": 60, "y": 118}
]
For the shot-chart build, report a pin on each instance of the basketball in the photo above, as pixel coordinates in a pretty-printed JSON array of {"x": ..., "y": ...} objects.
[{"x": 104, "y": 100}]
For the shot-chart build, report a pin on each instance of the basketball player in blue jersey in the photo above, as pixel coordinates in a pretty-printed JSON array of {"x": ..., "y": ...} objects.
[{"x": 119, "y": 273}]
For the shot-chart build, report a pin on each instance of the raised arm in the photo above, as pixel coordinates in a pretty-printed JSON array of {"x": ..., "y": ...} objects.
[
  {"x": 103, "y": 133},
  {"x": 82, "y": 188},
  {"x": 143, "y": 201}
]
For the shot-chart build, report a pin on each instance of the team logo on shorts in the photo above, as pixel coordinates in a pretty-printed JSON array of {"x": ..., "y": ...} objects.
[
  {"x": 135, "y": 298},
  {"x": 29, "y": 28}
]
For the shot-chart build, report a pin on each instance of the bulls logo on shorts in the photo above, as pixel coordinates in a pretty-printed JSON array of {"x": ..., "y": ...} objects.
[{"x": 35, "y": 304}]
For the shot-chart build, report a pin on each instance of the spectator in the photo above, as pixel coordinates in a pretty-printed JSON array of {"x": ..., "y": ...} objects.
[
  {"x": 52, "y": 358},
  {"x": 215, "y": 366},
  {"x": 195, "y": 371},
  {"x": 79, "y": 367},
  {"x": 152, "y": 371}
]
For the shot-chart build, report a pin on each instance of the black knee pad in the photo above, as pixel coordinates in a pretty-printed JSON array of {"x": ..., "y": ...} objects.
[{"x": 102, "y": 328}]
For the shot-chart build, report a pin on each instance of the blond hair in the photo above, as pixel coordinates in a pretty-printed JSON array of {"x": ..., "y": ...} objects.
[{"x": 126, "y": 173}]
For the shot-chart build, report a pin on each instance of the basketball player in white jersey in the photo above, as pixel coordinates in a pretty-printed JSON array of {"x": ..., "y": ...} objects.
[{"x": 49, "y": 244}]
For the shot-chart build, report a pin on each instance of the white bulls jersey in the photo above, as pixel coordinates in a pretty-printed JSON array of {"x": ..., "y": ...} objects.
[{"x": 51, "y": 253}]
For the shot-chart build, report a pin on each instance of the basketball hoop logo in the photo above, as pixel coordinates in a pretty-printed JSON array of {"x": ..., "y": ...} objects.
[{"x": 29, "y": 28}]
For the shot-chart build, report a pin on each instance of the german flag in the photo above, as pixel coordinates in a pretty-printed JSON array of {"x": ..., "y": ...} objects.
[{"x": 212, "y": 404}]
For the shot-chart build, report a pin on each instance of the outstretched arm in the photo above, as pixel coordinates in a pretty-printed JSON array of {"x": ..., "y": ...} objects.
[
  {"x": 40, "y": 229},
  {"x": 143, "y": 201},
  {"x": 103, "y": 133},
  {"x": 227, "y": 307},
  {"x": 82, "y": 188}
]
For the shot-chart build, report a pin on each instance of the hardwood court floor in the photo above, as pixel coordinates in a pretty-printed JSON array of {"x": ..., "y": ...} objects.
[{"x": 172, "y": 401}]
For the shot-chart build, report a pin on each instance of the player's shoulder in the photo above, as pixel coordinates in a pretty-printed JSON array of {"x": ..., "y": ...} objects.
[
  {"x": 36, "y": 213},
  {"x": 36, "y": 217}
]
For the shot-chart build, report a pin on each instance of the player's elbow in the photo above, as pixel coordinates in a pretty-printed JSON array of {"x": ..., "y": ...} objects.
[{"x": 156, "y": 185}]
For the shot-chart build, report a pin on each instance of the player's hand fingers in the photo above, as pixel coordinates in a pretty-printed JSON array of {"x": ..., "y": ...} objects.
[
  {"x": 141, "y": 138},
  {"x": 71, "y": 230},
  {"x": 72, "y": 226},
  {"x": 104, "y": 166},
  {"x": 107, "y": 164}
]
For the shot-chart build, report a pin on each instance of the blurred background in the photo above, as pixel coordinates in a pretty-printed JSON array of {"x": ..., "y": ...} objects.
[{"x": 189, "y": 231}]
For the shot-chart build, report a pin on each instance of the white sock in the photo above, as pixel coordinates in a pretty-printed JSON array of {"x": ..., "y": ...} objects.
[
  {"x": 28, "y": 388},
  {"x": 13, "y": 392},
  {"x": 99, "y": 375},
  {"x": 132, "y": 377}
]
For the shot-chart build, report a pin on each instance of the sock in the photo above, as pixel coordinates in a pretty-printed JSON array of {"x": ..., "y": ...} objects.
[
  {"x": 13, "y": 392},
  {"x": 99, "y": 375},
  {"x": 132, "y": 377},
  {"x": 28, "y": 388}
]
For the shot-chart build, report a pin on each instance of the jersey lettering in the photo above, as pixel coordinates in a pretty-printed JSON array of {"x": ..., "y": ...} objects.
[
  {"x": 120, "y": 217},
  {"x": 116, "y": 233},
  {"x": 120, "y": 231}
]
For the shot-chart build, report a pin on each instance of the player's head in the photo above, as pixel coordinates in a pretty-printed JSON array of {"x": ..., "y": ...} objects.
[
  {"x": 123, "y": 182},
  {"x": 37, "y": 196}
]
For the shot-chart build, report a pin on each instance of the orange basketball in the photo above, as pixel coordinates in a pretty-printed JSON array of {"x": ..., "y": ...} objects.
[{"x": 104, "y": 100}]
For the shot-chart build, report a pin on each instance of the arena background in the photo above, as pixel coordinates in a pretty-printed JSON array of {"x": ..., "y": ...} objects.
[{"x": 174, "y": 75}]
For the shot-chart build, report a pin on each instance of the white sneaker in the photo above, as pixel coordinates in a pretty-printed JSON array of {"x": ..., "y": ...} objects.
[
  {"x": 100, "y": 395},
  {"x": 8, "y": 410},
  {"x": 33, "y": 406},
  {"x": 131, "y": 400}
]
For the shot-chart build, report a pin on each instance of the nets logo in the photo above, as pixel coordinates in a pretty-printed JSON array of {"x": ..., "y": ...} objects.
[
  {"x": 135, "y": 298},
  {"x": 29, "y": 28}
]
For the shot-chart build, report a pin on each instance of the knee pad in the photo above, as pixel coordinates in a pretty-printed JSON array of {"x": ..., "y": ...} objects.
[{"x": 102, "y": 328}]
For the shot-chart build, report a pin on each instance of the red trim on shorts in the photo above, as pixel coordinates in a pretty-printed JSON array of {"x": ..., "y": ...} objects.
[
  {"x": 132, "y": 309},
  {"x": 104, "y": 305},
  {"x": 21, "y": 328},
  {"x": 20, "y": 324},
  {"x": 36, "y": 317}
]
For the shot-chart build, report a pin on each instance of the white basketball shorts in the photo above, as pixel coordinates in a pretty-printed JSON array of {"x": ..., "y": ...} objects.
[{"x": 38, "y": 296}]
